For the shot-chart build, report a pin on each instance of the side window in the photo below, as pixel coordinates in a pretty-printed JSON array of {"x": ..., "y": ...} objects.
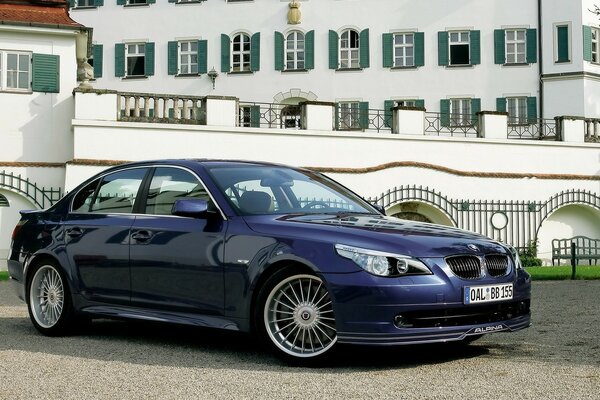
[
  {"x": 83, "y": 199},
  {"x": 118, "y": 191},
  {"x": 169, "y": 185}
]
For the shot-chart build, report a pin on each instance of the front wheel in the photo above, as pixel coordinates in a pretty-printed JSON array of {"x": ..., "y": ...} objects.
[
  {"x": 297, "y": 317},
  {"x": 49, "y": 300}
]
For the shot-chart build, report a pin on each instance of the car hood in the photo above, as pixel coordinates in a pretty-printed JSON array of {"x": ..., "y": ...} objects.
[{"x": 376, "y": 232}]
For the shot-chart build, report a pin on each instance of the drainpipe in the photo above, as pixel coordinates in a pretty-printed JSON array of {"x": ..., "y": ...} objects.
[{"x": 540, "y": 59}]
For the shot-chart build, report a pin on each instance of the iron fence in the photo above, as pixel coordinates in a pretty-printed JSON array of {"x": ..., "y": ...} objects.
[
  {"x": 269, "y": 115},
  {"x": 443, "y": 124},
  {"x": 41, "y": 197},
  {"x": 533, "y": 129}
]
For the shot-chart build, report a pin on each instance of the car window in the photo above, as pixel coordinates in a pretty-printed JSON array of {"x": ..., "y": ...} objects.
[
  {"x": 118, "y": 191},
  {"x": 243, "y": 190},
  {"x": 169, "y": 185},
  {"x": 83, "y": 199}
]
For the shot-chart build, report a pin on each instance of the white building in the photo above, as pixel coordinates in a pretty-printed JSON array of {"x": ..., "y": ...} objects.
[{"x": 354, "y": 60}]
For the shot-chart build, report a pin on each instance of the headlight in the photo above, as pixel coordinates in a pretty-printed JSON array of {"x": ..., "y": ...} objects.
[
  {"x": 382, "y": 264},
  {"x": 515, "y": 256}
]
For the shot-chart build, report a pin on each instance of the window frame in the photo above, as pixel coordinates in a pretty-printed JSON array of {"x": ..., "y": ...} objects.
[
  {"x": 567, "y": 26},
  {"x": 403, "y": 46},
  {"x": 521, "y": 108},
  {"x": 189, "y": 54},
  {"x": 461, "y": 42},
  {"x": 352, "y": 112},
  {"x": 515, "y": 42},
  {"x": 351, "y": 61},
  {"x": 596, "y": 44},
  {"x": 244, "y": 66},
  {"x": 295, "y": 51},
  {"x": 127, "y": 56},
  {"x": 91, "y": 5},
  {"x": 4, "y": 71},
  {"x": 135, "y": 3},
  {"x": 464, "y": 118}
]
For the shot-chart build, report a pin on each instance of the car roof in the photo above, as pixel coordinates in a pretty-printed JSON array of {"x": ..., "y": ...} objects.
[{"x": 190, "y": 162}]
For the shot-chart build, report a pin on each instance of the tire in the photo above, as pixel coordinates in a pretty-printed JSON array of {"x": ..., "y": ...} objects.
[
  {"x": 294, "y": 317},
  {"x": 49, "y": 300}
]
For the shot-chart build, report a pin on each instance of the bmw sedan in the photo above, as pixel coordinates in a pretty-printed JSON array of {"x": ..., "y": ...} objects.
[{"x": 282, "y": 252}]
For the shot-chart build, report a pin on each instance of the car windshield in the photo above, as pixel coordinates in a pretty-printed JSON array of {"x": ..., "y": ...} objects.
[{"x": 260, "y": 190}]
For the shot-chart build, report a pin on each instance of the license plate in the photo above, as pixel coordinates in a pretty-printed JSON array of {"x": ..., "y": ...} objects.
[{"x": 488, "y": 293}]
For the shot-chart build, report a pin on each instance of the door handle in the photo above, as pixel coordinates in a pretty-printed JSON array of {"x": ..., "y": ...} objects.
[
  {"x": 74, "y": 232},
  {"x": 141, "y": 236}
]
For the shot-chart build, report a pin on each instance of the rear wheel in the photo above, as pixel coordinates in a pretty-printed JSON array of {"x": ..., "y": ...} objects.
[
  {"x": 296, "y": 317},
  {"x": 49, "y": 300}
]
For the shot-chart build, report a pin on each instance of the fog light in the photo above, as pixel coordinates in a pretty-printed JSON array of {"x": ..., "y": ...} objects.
[{"x": 401, "y": 322}]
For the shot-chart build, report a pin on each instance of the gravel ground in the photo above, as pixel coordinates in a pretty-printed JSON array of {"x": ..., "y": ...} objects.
[{"x": 557, "y": 358}]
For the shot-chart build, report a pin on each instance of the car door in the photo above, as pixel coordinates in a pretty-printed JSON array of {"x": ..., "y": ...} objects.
[
  {"x": 176, "y": 262},
  {"x": 97, "y": 234}
]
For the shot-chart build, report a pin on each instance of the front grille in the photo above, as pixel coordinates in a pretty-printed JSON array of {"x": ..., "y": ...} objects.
[
  {"x": 496, "y": 264},
  {"x": 466, "y": 267},
  {"x": 463, "y": 316}
]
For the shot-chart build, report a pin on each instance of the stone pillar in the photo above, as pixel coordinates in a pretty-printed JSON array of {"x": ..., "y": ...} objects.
[
  {"x": 408, "y": 120},
  {"x": 95, "y": 104},
  {"x": 318, "y": 115},
  {"x": 220, "y": 110},
  {"x": 572, "y": 129},
  {"x": 493, "y": 124}
]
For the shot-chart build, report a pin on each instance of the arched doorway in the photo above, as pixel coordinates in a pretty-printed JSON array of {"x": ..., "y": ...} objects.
[
  {"x": 10, "y": 205},
  {"x": 566, "y": 222},
  {"x": 419, "y": 211}
]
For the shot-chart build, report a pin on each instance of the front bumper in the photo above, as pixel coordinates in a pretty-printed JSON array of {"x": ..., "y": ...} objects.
[{"x": 422, "y": 309}]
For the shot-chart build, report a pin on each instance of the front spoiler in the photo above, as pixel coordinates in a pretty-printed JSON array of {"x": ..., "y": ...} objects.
[{"x": 433, "y": 335}]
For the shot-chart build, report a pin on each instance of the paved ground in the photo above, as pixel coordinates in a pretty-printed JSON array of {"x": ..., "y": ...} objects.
[{"x": 557, "y": 358}]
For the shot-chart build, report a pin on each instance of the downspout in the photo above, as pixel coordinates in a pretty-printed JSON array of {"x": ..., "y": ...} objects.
[{"x": 540, "y": 59}]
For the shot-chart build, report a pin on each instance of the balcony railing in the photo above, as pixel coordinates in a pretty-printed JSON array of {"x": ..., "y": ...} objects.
[
  {"x": 269, "y": 115},
  {"x": 533, "y": 129},
  {"x": 442, "y": 124},
  {"x": 139, "y": 107},
  {"x": 592, "y": 131}
]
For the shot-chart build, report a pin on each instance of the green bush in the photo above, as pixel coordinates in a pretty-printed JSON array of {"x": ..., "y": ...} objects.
[{"x": 528, "y": 256}]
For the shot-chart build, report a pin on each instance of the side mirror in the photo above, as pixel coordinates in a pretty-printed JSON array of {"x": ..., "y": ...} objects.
[
  {"x": 379, "y": 208},
  {"x": 195, "y": 208}
]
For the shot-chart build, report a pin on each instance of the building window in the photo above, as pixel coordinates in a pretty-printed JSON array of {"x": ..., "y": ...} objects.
[
  {"x": 188, "y": 57},
  {"x": 459, "y": 48},
  {"x": 562, "y": 43},
  {"x": 15, "y": 71},
  {"x": 136, "y": 59},
  {"x": 241, "y": 53},
  {"x": 404, "y": 50},
  {"x": 294, "y": 51},
  {"x": 3, "y": 201},
  {"x": 349, "y": 49},
  {"x": 85, "y": 3},
  {"x": 515, "y": 46},
  {"x": 136, "y": 2},
  {"x": 291, "y": 117},
  {"x": 517, "y": 110},
  {"x": 349, "y": 115},
  {"x": 460, "y": 112},
  {"x": 595, "y": 42},
  {"x": 406, "y": 103}
]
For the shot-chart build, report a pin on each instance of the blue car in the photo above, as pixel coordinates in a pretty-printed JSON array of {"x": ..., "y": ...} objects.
[{"x": 286, "y": 253}]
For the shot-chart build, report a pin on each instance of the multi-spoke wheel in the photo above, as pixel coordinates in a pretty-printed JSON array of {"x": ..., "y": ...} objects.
[
  {"x": 298, "y": 316},
  {"x": 49, "y": 300}
]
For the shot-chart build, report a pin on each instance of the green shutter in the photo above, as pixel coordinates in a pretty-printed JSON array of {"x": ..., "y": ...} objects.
[
  {"x": 587, "y": 43},
  {"x": 149, "y": 59},
  {"x": 309, "y": 48},
  {"x": 532, "y": 110},
  {"x": 499, "y": 46},
  {"x": 443, "y": 48},
  {"x": 98, "y": 3},
  {"x": 562, "y": 37},
  {"x": 119, "y": 59},
  {"x": 120, "y": 2},
  {"x": 172, "y": 1},
  {"x": 151, "y": 1},
  {"x": 98, "y": 55},
  {"x": 333, "y": 50},
  {"x": 475, "y": 47},
  {"x": 387, "y": 40},
  {"x": 363, "y": 110},
  {"x": 364, "y": 58},
  {"x": 255, "y": 52},
  {"x": 337, "y": 116},
  {"x": 202, "y": 56},
  {"x": 387, "y": 112},
  {"x": 45, "y": 73},
  {"x": 71, "y": 3},
  {"x": 531, "y": 46},
  {"x": 225, "y": 53},
  {"x": 475, "y": 108},
  {"x": 279, "y": 53},
  {"x": 445, "y": 112},
  {"x": 419, "y": 49},
  {"x": 255, "y": 116},
  {"x": 420, "y": 103},
  {"x": 501, "y": 104},
  {"x": 172, "y": 58}
]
